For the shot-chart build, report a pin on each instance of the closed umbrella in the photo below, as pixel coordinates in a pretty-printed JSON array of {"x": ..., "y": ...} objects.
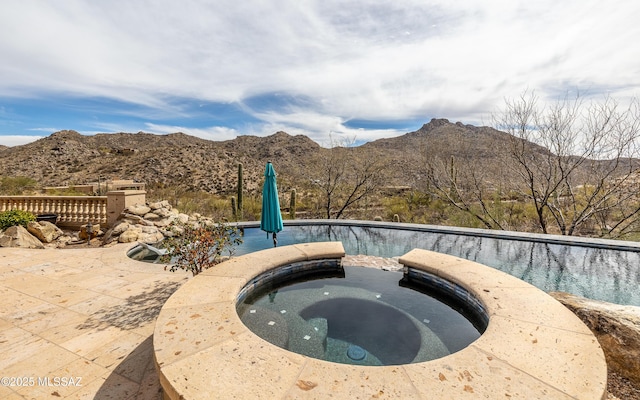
[{"x": 271, "y": 220}]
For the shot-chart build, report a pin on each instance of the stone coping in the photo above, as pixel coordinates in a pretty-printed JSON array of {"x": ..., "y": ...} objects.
[{"x": 533, "y": 346}]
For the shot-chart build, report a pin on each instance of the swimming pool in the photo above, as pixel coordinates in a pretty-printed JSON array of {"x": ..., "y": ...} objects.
[{"x": 597, "y": 269}]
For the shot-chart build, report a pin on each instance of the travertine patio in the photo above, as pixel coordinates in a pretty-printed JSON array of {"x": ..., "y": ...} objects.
[{"x": 79, "y": 313}]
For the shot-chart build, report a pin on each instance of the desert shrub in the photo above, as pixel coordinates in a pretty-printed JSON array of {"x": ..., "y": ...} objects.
[
  {"x": 11, "y": 185},
  {"x": 199, "y": 245},
  {"x": 456, "y": 217},
  {"x": 395, "y": 205},
  {"x": 190, "y": 202},
  {"x": 15, "y": 217},
  {"x": 252, "y": 208}
]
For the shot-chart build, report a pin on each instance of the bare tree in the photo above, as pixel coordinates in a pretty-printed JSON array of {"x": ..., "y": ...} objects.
[
  {"x": 583, "y": 174},
  {"x": 464, "y": 187},
  {"x": 346, "y": 180}
]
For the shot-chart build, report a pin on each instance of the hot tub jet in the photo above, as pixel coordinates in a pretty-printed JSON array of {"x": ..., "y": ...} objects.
[{"x": 356, "y": 353}]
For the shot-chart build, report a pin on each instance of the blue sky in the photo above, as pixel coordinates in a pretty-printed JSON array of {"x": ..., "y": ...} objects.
[{"x": 326, "y": 68}]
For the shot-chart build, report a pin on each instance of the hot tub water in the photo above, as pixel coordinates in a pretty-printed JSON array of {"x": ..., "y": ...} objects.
[{"x": 363, "y": 318}]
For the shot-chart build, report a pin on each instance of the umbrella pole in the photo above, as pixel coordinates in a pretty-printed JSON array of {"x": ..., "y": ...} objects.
[{"x": 275, "y": 240}]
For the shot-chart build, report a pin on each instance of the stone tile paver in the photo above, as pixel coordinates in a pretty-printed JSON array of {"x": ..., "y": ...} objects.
[{"x": 81, "y": 315}]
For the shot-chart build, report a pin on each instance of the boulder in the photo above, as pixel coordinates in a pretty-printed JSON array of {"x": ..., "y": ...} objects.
[
  {"x": 45, "y": 231},
  {"x": 135, "y": 219},
  {"x": 131, "y": 218},
  {"x": 151, "y": 237},
  {"x": 63, "y": 240},
  {"x": 151, "y": 216},
  {"x": 18, "y": 236},
  {"x": 120, "y": 227},
  {"x": 617, "y": 329},
  {"x": 113, "y": 233},
  {"x": 163, "y": 212},
  {"x": 174, "y": 231},
  {"x": 162, "y": 223},
  {"x": 160, "y": 204},
  {"x": 138, "y": 209},
  {"x": 147, "y": 223},
  {"x": 130, "y": 235},
  {"x": 182, "y": 218}
]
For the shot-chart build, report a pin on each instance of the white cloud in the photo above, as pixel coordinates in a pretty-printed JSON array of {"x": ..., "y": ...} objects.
[
  {"x": 354, "y": 59},
  {"x": 326, "y": 130},
  {"x": 46, "y": 130},
  {"x": 211, "y": 133},
  {"x": 17, "y": 140}
]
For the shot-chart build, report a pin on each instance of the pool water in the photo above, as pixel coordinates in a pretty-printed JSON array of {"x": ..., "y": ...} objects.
[
  {"x": 606, "y": 274},
  {"x": 361, "y": 317},
  {"x": 595, "y": 273}
]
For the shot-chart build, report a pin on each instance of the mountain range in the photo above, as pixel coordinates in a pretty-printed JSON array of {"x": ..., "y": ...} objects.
[{"x": 190, "y": 163}]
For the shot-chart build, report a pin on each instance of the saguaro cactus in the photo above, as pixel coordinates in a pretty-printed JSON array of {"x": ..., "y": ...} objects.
[
  {"x": 292, "y": 204},
  {"x": 240, "y": 190},
  {"x": 234, "y": 209}
]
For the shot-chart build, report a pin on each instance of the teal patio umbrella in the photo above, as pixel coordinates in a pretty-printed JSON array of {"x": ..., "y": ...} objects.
[{"x": 271, "y": 220}]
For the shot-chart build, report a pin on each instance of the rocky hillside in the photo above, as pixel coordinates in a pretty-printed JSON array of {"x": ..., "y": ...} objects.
[
  {"x": 165, "y": 160},
  {"x": 481, "y": 148},
  {"x": 187, "y": 162}
]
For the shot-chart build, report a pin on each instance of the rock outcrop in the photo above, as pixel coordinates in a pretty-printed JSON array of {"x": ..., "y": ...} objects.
[
  {"x": 147, "y": 223},
  {"x": 617, "y": 329},
  {"x": 18, "y": 236}
]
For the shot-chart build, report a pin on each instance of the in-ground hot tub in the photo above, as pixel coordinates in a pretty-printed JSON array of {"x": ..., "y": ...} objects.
[
  {"x": 360, "y": 316},
  {"x": 532, "y": 347}
]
